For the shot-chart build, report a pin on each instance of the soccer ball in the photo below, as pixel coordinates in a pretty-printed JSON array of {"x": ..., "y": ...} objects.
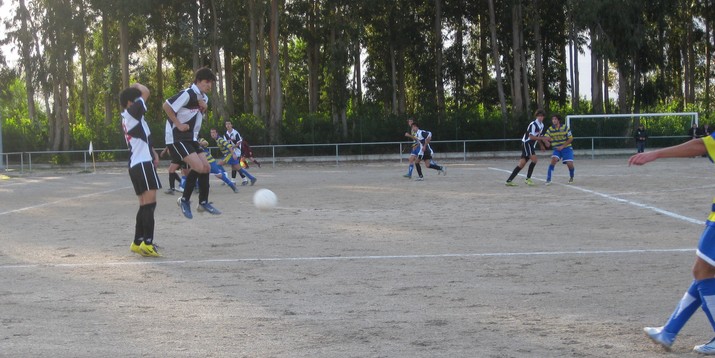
[{"x": 265, "y": 199}]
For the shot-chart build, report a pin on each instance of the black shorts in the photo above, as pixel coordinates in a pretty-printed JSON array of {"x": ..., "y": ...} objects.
[
  {"x": 528, "y": 149},
  {"x": 144, "y": 177},
  {"x": 175, "y": 158},
  {"x": 184, "y": 149},
  {"x": 427, "y": 156}
]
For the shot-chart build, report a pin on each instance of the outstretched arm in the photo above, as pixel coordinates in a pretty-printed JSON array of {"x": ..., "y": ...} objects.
[{"x": 691, "y": 148}]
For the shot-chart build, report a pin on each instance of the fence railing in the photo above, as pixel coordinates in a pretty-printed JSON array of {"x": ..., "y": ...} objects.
[{"x": 342, "y": 152}]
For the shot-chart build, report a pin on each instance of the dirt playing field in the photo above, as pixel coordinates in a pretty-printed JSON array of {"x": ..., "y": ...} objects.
[{"x": 357, "y": 261}]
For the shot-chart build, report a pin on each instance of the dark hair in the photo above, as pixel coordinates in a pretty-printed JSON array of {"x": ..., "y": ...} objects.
[
  {"x": 557, "y": 117},
  {"x": 129, "y": 95},
  {"x": 540, "y": 112},
  {"x": 414, "y": 123},
  {"x": 204, "y": 74}
]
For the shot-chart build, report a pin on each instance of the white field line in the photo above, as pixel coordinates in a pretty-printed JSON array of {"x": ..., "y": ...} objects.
[
  {"x": 61, "y": 201},
  {"x": 624, "y": 201},
  {"x": 158, "y": 261}
]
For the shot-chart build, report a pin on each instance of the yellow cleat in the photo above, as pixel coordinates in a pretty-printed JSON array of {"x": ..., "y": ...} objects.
[
  {"x": 136, "y": 249},
  {"x": 529, "y": 182},
  {"x": 148, "y": 250}
]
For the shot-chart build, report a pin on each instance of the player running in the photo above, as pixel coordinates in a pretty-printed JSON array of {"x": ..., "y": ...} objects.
[
  {"x": 425, "y": 152},
  {"x": 230, "y": 156},
  {"x": 216, "y": 168}
]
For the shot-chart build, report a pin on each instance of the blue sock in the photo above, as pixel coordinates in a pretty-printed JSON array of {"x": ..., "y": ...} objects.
[
  {"x": 247, "y": 174},
  {"x": 183, "y": 181},
  {"x": 548, "y": 173},
  {"x": 572, "y": 171},
  {"x": 409, "y": 169},
  {"x": 685, "y": 309},
  {"x": 707, "y": 297},
  {"x": 226, "y": 179}
]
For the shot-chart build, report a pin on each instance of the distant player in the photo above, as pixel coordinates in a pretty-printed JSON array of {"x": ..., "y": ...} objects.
[
  {"x": 142, "y": 166},
  {"x": 534, "y": 134},
  {"x": 414, "y": 151},
  {"x": 216, "y": 168},
  {"x": 561, "y": 139},
  {"x": 425, "y": 152},
  {"x": 701, "y": 293},
  {"x": 230, "y": 156}
]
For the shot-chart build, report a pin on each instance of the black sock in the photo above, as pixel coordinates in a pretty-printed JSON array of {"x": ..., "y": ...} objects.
[
  {"x": 148, "y": 222},
  {"x": 204, "y": 179},
  {"x": 190, "y": 184},
  {"x": 173, "y": 177},
  {"x": 233, "y": 174},
  {"x": 514, "y": 173},
  {"x": 435, "y": 166},
  {"x": 419, "y": 169},
  {"x": 531, "y": 170},
  {"x": 139, "y": 227}
]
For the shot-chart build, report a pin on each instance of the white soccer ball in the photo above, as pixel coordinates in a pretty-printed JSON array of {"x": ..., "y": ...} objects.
[{"x": 265, "y": 199}]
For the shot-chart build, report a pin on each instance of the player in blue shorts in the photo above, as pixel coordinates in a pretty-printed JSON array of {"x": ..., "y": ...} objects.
[
  {"x": 415, "y": 151},
  {"x": 230, "y": 155},
  {"x": 701, "y": 293},
  {"x": 561, "y": 139},
  {"x": 217, "y": 169}
]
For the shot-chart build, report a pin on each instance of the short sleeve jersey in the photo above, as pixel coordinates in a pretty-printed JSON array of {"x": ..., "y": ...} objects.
[
  {"x": 559, "y": 135},
  {"x": 535, "y": 128},
  {"x": 137, "y": 133},
  {"x": 186, "y": 106},
  {"x": 422, "y": 136}
]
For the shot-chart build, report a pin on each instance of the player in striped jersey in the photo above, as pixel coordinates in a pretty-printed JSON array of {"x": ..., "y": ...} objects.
[
  {"x": 142, "y": 166},
  {"x": 534, "y": 134},
  {"x": 425, "y": 152},
  {"x": 561, "y": 139},
  {"x": 230, "y": 156},
  {"x": 216, "y": 168},
  {"x": 701, "y": 292}
]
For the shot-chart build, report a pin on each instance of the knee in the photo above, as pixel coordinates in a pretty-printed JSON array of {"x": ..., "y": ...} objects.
[{"x": 703, "y": 270}]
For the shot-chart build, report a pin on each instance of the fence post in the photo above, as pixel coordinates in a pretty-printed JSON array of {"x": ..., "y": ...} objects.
[
  {"x": 593, "y": 148},
  {"x": 337, "y": 154}
]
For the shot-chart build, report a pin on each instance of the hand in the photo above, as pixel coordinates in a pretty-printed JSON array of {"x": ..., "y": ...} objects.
[
  {"x": 203, "y": 106},
  {"x": 220, "y": 162},
  {"x": 183, "y": 127}
]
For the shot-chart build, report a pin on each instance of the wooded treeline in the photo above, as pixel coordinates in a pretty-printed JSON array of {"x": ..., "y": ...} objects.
[{"x": 318, "y": 71}]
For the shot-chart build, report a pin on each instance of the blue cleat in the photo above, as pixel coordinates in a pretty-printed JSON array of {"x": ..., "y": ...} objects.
[
  {"x": 206, "y": 206},
  {"x": 185, "y": 207}
]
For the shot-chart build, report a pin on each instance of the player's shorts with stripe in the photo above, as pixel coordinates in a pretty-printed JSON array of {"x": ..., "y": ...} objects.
[
  {"x": 233, "y": 162},
  {"x": 185, "y": 148},
  {"x": 175, "y": 158},
  {"x": 415, "y": 150},
  {"x": 144, "y": 177},
  {"x": 706, "y": 246},
  {"x": 528, "y": 149},
  {"x": 565, "y": 155},
  {"x": 427, "y": 155}
]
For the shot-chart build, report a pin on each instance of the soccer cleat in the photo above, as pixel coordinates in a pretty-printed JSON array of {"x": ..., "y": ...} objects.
[
  {"x": 707, "y": 348},
  {"x": 571, "y": 180},
  {"x": 185, "y": 207},
  {"x": 548, "y": 182},
  {"x": 420, "y": 179},
  {"x": 665, "y": 339},
  {"x": 407, "y": 176},
  {"x": 510, "y": 183},
  {"x": 245, "y": 182},
  {"x": 148, "y": 250},
  {"x": 135, "y": 248},
  {"x": 443, "y": 170},
  {"x": 180, "y": 189},
  {"x": 170, "y": 191},
  {"x": 253, "y": 181},
  {"x": 529, "y": 182},
  {"x": 206, "y": 206},
  {"x": 234, "y": 188}
]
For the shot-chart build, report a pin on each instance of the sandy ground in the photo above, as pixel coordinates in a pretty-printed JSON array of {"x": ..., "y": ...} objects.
[{"x": 357, "y": 262}]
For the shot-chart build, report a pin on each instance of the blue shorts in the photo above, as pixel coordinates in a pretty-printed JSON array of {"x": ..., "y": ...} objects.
[
  {"x": 415, "y": 150},
  {"x": 216, "y": 169},
  {"x": 233, "y": 162},
  {"x": 565, "y": 155},
  {"x": 706, "y": 246}
]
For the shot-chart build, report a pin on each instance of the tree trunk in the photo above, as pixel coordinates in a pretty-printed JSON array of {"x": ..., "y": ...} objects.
[
  {"x": 401, "y": 85},
  {"x": 108, "y": 95},
  {"x": 228, "y": 77},
  {"x": 484, "y": 52},
  {"x": 606, "y": 88},
  {"x": 25, "y": 48},
  {"x": 438, "y": 48},
  {"x": 497, "y": 64},
  {"x": 159, "y": 95},
  {"x": 262, "y": 67},
  {"x": 538, "y": 55},
  {"x": 708, "y": 49},
  {"x": 357, "y": 73},
  {"x": 596, "y": 90},
  {"x": 313, "y": 48},
  {"x": 246, "y": 86},
  {"x": 459, "y": 49},
  {"x": 517, "y": 82},
  {"x": 253, "y": 53},
  {"x": 218, "y": 106},
  {"x": 622, "y": 89},
  {"x": 124, "y": 51},
  {"x": 393, "y": 76},
  {"x": 276, "y": 113},
  {"x": 195, "y": 59}
]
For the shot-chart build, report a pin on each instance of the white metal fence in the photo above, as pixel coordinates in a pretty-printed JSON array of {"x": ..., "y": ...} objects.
[{"x": 342, "y": 152}]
